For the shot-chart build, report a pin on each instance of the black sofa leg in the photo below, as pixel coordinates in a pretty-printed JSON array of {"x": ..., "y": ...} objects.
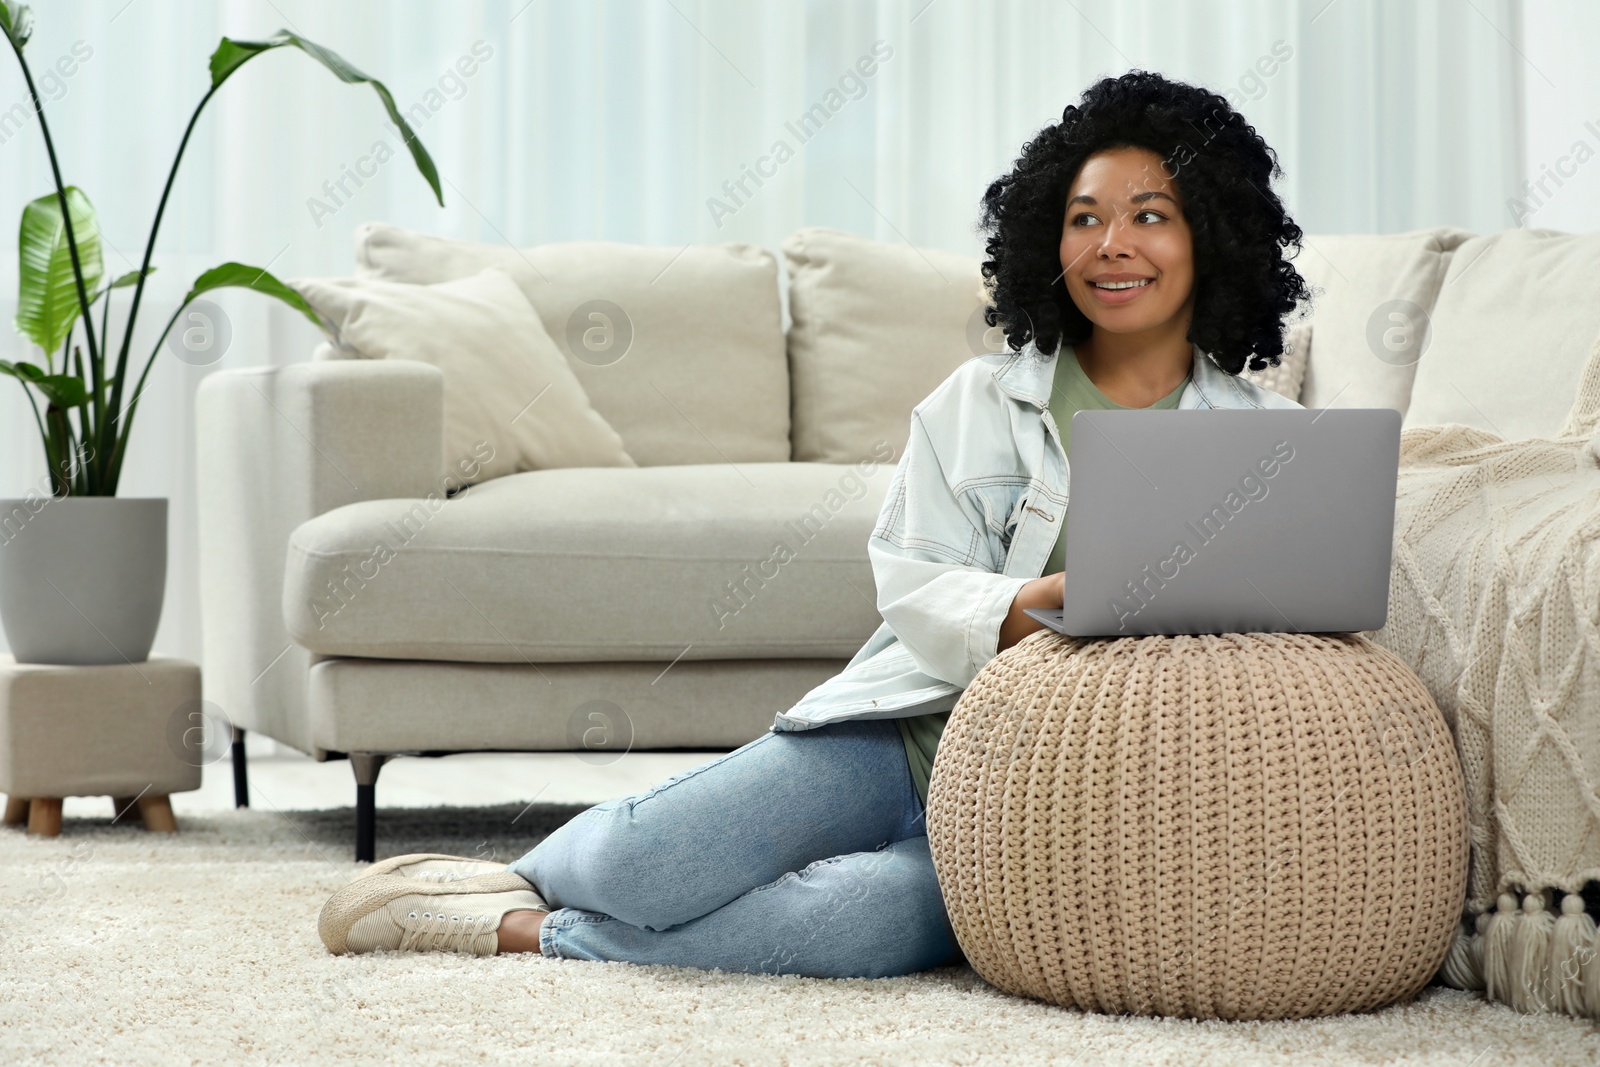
[
  {"x": 241, "y": 780},
  {"x": 366, "y": 823},
  {"x": 366, "y": 766}
]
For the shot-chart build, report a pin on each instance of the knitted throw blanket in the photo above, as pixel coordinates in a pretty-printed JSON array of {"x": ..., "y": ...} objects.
[{"x": 1495, "y": 604}]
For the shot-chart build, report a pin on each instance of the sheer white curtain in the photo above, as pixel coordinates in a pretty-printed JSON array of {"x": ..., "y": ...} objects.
[{"x": 639, "y": 121}]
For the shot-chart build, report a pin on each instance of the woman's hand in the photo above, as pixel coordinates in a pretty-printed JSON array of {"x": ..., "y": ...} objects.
[{"x": 1045, "y": 591}]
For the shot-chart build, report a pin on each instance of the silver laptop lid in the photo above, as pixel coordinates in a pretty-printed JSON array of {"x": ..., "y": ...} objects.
[{"x": 1230, "y": 521}]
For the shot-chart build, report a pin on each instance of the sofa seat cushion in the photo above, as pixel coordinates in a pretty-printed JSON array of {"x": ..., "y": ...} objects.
[{"x": 706, "y": 561}]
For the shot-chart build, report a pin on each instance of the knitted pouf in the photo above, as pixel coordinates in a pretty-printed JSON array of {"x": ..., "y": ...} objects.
[{"x": 1233, "y": 826}]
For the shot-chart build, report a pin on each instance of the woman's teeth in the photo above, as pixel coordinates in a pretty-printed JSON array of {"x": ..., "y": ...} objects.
[{"x": 1120, "y": 285}]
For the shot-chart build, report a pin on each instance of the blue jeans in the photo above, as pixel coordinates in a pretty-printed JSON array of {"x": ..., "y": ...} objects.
[{"x": 799, "y": 853}]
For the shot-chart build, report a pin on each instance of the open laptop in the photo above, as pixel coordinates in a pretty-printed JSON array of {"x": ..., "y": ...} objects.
[{"x": 1228, "y": 521}]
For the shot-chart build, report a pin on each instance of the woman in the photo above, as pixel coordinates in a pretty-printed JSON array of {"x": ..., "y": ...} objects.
[{"x": 1135, "y": 260}]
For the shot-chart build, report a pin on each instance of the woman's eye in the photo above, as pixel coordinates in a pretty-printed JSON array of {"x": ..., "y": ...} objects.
[{"x": 1146, "y": 211}]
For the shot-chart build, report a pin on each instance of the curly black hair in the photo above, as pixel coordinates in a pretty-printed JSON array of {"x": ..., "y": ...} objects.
[{"x": 1244, "y": 284}]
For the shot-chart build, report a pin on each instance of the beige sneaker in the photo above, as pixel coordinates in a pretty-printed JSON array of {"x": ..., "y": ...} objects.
[
  {"x": 408, "y": 915},
  {"x": 432, "y": 867}
]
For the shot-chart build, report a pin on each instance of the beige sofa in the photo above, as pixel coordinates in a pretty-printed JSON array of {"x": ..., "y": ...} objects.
[{"x": 683, "y": 603}]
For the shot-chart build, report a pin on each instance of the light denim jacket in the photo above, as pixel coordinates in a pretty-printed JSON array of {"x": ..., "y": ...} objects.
[{"x": 971, "y": 515}]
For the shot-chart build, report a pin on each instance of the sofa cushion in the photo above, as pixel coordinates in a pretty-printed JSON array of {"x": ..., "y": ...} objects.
[
  {"x": 1372, "y": 293},
  {"x": 511, "y": 403},
  {"x": 681, "y": 350},
  {"x": 1286, "y": 378},
  {"x": 706, "y": 561},
  {"x": 1512, "y": 329},
  {"x": 875, "y": 328}
]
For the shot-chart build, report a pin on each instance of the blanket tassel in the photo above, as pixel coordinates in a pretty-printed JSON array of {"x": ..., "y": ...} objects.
[
  {"x": 1463, "y": 964},
  {"x": 1528, "y": 958},
  {"x": 1529, "y": 968},
  {"x": 1497, "y": 949},
  {"x": 1572, "y": 947}
]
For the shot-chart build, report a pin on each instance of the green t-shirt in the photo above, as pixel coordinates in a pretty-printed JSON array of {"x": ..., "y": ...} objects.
[{"x": 1070, "y": 391}]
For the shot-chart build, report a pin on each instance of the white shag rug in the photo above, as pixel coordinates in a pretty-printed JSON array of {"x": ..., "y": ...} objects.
[{"x": 120, "y": 946}]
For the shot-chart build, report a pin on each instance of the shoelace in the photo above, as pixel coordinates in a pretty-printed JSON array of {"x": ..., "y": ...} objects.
[{"x": 442, "y": 930}]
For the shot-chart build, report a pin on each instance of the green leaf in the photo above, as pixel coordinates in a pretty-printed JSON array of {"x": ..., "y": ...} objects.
[
  {"x": 246, "y": 277},
  {"x": 32, "y": 372},
  {"x": 61, "y": 390},
  {"x": 121, "y": 283},
  {"x": 128, "y": 279},
  {"x": 47, "y": 295},
  {"x": 17, "y": 20},
  {"x": 28, "y": 372},
  {"x": 231, "y": 55}
]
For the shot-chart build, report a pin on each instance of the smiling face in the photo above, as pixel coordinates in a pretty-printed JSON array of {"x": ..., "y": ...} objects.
[{"x": 1124, "y": 221}]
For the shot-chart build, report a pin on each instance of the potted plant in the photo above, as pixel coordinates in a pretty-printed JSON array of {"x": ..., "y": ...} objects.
[{"x": 82, "y": 571}]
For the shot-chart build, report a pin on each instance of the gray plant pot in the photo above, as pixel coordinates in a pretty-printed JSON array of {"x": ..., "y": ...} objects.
[{"x": 82, "y": 578}]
